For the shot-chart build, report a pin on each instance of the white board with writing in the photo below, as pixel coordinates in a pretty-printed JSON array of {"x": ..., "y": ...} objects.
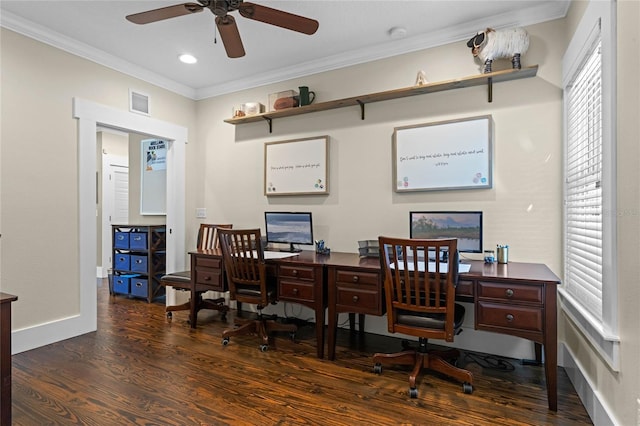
[
  {"x": 296, "y": 167},
  {"x": 454, "y": 154}
]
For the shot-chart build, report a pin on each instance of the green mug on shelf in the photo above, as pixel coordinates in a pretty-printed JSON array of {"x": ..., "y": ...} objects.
[{"x": 306, "y": 96}]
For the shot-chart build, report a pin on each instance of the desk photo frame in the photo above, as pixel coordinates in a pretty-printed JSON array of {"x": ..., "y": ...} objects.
[
  {"x": 445, "y": 155},
  {"x": 296, "y": 167}
]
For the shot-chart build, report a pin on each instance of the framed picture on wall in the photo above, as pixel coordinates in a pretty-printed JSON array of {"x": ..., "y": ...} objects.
[
  {"x": 445, "y": 155},
  {"x": 296, "y": 167}
]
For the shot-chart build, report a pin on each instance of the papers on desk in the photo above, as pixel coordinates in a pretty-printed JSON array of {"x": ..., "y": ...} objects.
[
  {"x": 277, "y": 254},
  {"x": 444, "y": 267}
]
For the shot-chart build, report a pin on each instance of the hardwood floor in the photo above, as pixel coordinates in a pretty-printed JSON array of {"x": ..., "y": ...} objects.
[{"x": 140, "y": 369}]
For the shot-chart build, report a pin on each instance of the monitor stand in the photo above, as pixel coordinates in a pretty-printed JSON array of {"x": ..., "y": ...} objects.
[{"x": 291, "y": 249}]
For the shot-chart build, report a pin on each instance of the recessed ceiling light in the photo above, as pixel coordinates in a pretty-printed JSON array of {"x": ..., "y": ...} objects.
[{"x": 187, "y": 59}]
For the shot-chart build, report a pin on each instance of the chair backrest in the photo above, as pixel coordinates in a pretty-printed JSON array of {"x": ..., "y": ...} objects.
[
  {"x": 419, "y": 284},
  {"x": 208, "y": 236},
  {"x": 244, "y": 265}
]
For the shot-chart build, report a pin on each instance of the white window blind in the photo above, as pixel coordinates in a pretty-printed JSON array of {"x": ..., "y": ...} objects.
[{"x": 583, "y": 190}]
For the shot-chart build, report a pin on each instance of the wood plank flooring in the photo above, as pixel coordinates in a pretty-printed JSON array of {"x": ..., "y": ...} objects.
[{"x": 139, "y": 369}]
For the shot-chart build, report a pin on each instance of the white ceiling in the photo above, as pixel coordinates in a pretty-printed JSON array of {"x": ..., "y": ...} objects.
[{"x": 350, "y": 32}]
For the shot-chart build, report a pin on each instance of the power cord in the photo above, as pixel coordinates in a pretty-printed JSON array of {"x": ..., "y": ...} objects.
[{"x": 489, "y": 361}]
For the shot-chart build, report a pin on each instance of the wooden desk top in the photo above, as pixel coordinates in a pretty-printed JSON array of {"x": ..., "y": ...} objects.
[{"x": 512, "y": 271}]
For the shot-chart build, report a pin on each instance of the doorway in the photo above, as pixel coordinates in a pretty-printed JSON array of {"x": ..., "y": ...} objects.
[{"x": 90, "y": 115}]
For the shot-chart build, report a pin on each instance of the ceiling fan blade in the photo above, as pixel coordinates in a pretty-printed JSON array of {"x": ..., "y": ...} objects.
[
  {"x": 278, "y": 18},
  {"x": 164, "y": 13},
  {"x": 230, "y": 36}
]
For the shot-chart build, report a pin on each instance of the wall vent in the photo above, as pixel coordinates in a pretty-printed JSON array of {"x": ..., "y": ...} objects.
[{"x": 138, "y": 102}]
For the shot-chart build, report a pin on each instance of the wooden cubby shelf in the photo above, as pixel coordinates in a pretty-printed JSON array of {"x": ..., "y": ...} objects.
[{"x": 362, "y": 100}]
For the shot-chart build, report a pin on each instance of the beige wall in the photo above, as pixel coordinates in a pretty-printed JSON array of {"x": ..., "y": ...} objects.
[
  {"x": 39, "y": 169},
  {"x": 523, "y": 209}
]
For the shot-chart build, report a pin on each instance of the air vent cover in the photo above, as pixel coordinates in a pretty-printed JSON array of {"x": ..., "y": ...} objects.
[{"x": 138, "y": 102}]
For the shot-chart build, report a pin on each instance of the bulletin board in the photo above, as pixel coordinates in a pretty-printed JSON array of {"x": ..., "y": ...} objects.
[
  {"x": 445, "y": 155},
  {"x": 153, "y": 179},
  {"x": 296, "y": 166}
]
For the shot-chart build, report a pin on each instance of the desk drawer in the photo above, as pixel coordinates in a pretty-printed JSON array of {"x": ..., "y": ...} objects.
[
  {"x": 464, "y": 288},
  {"x": 297, "y": 272},
  {"x": 511, "y": 292},
  {"x": 210, "y": 278},
  {"x": 209, "y": 262},
  {"x": 296, "y": 291},
  {"x": 358, "y": 300},
  {"x": 357, "y": 278},
  {"x": 514, "y": 317}
]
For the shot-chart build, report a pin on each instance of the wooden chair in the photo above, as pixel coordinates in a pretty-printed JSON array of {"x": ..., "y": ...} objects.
[
  {"x": 207, "y": 240},
  {"x": 248, "y": 283},
  {"x": 420, "y": 303}
]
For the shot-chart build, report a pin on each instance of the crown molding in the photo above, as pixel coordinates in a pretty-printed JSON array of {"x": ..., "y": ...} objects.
[
  {"x": 546, "y": 11},
  {"x": 85, "y": 51},
  {"x": 525, "y": 17}
]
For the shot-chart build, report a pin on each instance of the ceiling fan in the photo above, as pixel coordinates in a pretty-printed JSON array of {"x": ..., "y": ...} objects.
[{"x": 226, "y": 23}]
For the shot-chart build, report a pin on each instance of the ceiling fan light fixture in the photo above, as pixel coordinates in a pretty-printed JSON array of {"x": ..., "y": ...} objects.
[{"x": 187, "y": 58}]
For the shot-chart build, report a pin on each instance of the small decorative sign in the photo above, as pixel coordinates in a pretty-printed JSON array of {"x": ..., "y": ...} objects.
[
  {"x": 454, "y": 154},
  {"x": 296, "y": 167}
]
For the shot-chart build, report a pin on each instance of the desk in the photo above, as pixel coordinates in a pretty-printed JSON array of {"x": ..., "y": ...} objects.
[
  {"x": 517, "y": 299},
  {"x": 5, "y": 357}
]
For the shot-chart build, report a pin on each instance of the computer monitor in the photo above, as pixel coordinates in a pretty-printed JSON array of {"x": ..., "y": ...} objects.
[
  {"x": 466, "y": 226},
  {"x": 289, "y": 228}
]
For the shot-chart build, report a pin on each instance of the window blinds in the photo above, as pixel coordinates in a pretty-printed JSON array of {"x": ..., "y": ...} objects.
[{"x": 583, "y": 189}]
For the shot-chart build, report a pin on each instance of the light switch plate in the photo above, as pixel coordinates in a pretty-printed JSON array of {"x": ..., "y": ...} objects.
[{"x": 201, "y": 213}]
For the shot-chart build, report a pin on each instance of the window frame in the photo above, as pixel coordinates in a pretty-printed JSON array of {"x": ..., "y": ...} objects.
[{"x": 598, "y": 20}]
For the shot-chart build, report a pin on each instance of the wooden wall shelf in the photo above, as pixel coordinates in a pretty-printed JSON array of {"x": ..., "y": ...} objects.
[{"x": 362, "y": 100}]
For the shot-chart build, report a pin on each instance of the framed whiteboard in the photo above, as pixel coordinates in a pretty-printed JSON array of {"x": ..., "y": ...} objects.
[
  {"x": 296, "y": 166},
  {"x": 453, "y": 154}
]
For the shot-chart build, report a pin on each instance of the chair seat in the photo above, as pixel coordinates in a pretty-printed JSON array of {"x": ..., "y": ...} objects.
[
  {"x": 181, "y": 280},
  {"x": 255, "y": 292},
  {"x": 437, "y": 321}
]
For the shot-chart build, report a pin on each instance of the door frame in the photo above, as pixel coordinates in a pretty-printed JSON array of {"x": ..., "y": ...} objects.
[{"x": 90, "y": 115}]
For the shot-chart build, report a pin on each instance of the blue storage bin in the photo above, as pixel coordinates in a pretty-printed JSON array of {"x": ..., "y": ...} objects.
[
  {"x": 138, "y": 240},
  {"x": 121, "y": 284},
  {"x": 139, "y": 287},
  {"x": 121, "y": 240},
  {"x": 122, "y": 262},
  {"x": 138, "y": 263}
]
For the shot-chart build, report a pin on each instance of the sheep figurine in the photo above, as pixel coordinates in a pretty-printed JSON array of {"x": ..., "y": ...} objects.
[{"x": 491, "y": 44}]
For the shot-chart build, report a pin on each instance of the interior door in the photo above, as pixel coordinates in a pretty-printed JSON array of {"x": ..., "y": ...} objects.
[{"x": 115, "y": 203}]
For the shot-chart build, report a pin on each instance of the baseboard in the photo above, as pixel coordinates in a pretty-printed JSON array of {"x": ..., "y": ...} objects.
[
  {"x": 587, "y": 392},
  {"x": 44, "y": 334}
]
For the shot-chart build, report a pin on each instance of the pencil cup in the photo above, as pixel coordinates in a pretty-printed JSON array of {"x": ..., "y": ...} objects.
[{"x": 503, "y": 254}]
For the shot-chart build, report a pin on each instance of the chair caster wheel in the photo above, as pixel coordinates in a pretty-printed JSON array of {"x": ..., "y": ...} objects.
[
  {"x": 292, "y": 335},
  {"x": 377, "y": 368},
  {"x": 413, "y": 392},
  {"x": 467, "y": 388},
  {"x": 225, "y": 341},
  {"x": 264, "y": 348},
  {"x": 169, "y": 316},
  {"x": 223, "y": 317}
]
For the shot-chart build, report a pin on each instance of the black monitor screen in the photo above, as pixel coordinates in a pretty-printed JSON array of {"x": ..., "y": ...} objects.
[
  {"x": 289, "y": 228},
  {"x": 465, "y": 226}
]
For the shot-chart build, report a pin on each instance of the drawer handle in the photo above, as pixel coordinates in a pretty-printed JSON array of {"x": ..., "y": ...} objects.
[
  {"x": 509, "y": 292},
  {"x": 138, "y": 284},
  {"x": 355, "y": 279},
  {"x": 295, "y": 291},
  {"x": 509, "y": 318},
  {"x": 355, "y": 298},
  {"x": 207, "y": 278},
  {"x": 295, "y": 272}
]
